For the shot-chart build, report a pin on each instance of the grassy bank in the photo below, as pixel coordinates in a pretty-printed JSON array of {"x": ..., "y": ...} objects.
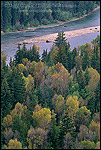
[{"x": 58, "y": 23}]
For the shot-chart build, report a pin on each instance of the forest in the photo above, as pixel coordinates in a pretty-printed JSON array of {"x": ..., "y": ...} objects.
[
  {"x": 19, "y": 15},
  {"x": 53, "y": 101}
]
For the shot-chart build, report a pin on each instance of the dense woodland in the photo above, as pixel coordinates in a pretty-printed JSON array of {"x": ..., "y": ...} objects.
[
  {"x": 17, "y": 15},
  {"x": 52, "y": 102}
]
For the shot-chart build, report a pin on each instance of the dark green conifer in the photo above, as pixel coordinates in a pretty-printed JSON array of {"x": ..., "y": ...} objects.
[
  {"x": 17, "y": 86},
  {"x": 66, "y": 125},
  {"x": 85, "y": 60},
  {"x": 87, "y": 76},
  {"x": 81, "y": 79},
  {"x": 5, "y": 97},
  {"x": 44, "y": 56},
  {"x": 54, "y": 135},
  {"x": 60, "y": 40}
]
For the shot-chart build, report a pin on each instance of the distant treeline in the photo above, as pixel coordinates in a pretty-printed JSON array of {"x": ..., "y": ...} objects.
[{"x": 17, "y": 15}]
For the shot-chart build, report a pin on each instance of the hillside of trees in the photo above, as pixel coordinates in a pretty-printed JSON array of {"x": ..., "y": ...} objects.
[
  {"x": 17, "y": 15},
  {"x": 52, "y": 102}
]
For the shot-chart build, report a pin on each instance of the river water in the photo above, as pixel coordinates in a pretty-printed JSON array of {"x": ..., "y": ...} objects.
[{"x": 10, "y": 41}]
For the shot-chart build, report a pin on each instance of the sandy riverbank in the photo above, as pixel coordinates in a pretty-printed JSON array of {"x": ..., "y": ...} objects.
[
  {"x": 68, "y": 34},
  {"x": 53, "y": 25}
]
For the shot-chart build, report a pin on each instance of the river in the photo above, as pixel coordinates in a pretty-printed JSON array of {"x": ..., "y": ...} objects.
[{"x": 9, "y": 41}]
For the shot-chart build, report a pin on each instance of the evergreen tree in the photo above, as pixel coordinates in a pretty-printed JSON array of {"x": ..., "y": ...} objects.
[
  {"x": 81, "y": 79},
  {"x": 74, "y": 53},
  {"x": 87, "y": 76},
  {"x": 35, "y": 13},
  {"x": 66, "y": 125},
  {"x": 85, "y": 60},
  {"x": 33, "y": 54},
  {"x": 6, "y": 14},
  {"x": 68, "y": 54},
  {"x": 14, "y": 14},
  {"x": 61, "y": 56},
  {"x": 93, "y": 61},
  {"x": 5, "y": 97},
  {"x": 95, "y": 58},
  {"x": 44, "y": 56},
  {"x": 91, "y": 104},
  {"x": 17, "y": 86},
  {"x": 60, "y": 40},
  {"x": 20, "y": 54},
  {"x": 54, "y": 135},
  {"x": 97, "y": 97}
]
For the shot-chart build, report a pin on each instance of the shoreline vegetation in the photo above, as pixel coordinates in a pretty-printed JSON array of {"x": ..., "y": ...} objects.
[
  {"x": 53, "y": 24},
  {"x": 68, "y": 34}
]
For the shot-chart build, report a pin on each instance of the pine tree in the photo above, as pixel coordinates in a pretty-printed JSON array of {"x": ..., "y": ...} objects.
[
  {"x": 66, "y": 125},
  {"x": 5, "y": 97},
  {"x": 20, "y": 54},
  {"x": 95, "y": 58},
  {"x": 6, "y": 14},
  {"x": 33, "y": 53},
  {"x": 81, "y": 79},
  {"x": 74, "y": 53},
  {"x": 87, "y": 76},
  {"x": 85, "y": 60},
  {"x": 44, "y": 56},
  {"x": 17, "y": 86},
  {"x": 68, "y": 54},
  {"x": 54, "y": 135},
  {"x": 61, "y": 56},
  {"x": 93, "y": 61},
  {"x": 97, "y": 97},
  {"x": 60, "y": 40}
]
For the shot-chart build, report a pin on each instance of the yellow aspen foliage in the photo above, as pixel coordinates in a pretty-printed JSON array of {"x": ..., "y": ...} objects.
[
  {"x": 53, "y": 55},
  {"x": 14, "y": 144},
  {"x": 37, "y": 108},
  {"x": 72, "y": 104},
  {"x": 5, "y": 147},
  {"x": 21, "y": 67},
  {"x": 82, "y": 116},
  {"x": 59, "y": 107},
  {"x": 18, "y": 110},
  {"x": 7, "y": 122},
  {"x": 53, "y": 114},
  {"x": 97, "y": 145},
  {"x": 39, "y": 67},
  {"x": 29, "y": 81},
  {"x": 89, "y": 49},
  {"x": 38, "y": 73},
  {"x": 37, "y": 48},
  {"x": 95, "y": 77},
  {"x": 32, "y": 67},
  {"x": 13, "y": 113},
  {"x": 59, "y": 83},
  {"x": 87, "y": 144},
  {"x": 58, "y": 68},
  {"x": 43, "y": 117},
  {"x": 59, "y": 79},
  {"x": 24, "y": 61},
  {"x": 95, "y": 128}
]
